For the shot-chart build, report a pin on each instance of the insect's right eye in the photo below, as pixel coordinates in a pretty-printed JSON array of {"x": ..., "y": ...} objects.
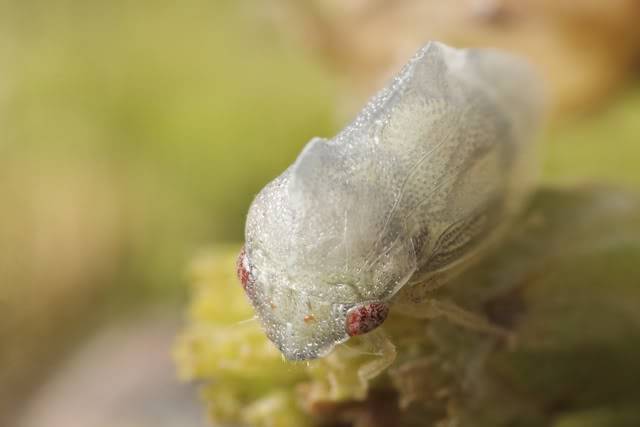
[
  {"x": 243, "y": 269},
  {"x": 363, "y": 318}
]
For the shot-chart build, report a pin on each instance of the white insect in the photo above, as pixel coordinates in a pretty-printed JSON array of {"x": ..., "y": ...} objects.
[{"x": 429, "y": 172}]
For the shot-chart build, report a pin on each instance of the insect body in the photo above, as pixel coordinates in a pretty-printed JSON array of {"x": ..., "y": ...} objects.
[{"x": 433, "y": 167}]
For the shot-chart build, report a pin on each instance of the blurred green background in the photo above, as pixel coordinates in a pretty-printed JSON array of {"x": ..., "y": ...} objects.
[
  {"x": 135, "y": 134},
  {"x": 132, "y": 134}
]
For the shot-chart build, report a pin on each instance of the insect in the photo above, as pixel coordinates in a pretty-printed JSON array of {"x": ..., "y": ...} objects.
[{"x": 430, "y": 171}]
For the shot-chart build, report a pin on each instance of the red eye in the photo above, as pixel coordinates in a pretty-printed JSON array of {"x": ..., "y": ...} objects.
[
  {"x": 242, "y": 268},
  {"x": 366, "y": 317}
]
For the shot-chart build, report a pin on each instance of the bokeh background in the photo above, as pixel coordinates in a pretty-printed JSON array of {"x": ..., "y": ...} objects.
[{"x": 133, "y": 135}]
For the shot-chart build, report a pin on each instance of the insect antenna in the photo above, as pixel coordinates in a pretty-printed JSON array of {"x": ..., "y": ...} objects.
[{"x": 245, "y": 321}]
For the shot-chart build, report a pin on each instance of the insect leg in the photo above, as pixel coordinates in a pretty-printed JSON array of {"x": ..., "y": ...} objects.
[
  {"x": 434, "y": 308},
  {"x": 382, "y": 346}
]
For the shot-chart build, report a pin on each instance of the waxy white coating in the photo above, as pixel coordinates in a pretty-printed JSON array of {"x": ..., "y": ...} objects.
[{"x": 433, "y": 167}]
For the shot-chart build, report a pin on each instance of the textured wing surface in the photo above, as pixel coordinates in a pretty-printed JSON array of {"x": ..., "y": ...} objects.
[{"x": 420, "y": 176}]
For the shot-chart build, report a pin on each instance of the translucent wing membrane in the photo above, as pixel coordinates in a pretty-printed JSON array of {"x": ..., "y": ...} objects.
[{"x": 430, "y": 149}]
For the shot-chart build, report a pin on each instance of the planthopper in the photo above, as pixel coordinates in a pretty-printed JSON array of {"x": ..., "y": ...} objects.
[{"x": 429, "y": 174}]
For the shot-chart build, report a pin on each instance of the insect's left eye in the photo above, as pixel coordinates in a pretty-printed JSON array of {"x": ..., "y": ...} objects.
[{"x": 243, "y": 269}]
